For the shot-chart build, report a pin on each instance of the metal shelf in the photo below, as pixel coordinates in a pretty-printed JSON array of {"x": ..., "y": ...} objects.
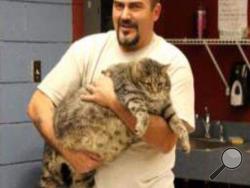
[
  {"x": 193, "y": 41},
  {"x": 207, "y": 42}
]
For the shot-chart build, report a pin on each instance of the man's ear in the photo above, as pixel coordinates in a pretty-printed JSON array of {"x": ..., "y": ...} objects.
[{"x": 157, "y": 12}]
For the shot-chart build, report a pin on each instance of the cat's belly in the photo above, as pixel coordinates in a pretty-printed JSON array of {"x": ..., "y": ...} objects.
[
  {"x": 82, "y": 125},
  {"x": 106, "y": 140},
  {"x": 97, "y": 130}
]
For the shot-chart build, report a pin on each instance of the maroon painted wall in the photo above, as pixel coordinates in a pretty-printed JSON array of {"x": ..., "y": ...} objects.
[
  {"x": 77, "y": 19},
  {"x": 177, "y": 21}
]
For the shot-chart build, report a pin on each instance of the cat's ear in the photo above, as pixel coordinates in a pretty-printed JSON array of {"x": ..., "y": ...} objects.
[
  {"x": 136, "y": 69},
  {"x": 164, "y": 69},
  {"x": 107, "y": 72}
]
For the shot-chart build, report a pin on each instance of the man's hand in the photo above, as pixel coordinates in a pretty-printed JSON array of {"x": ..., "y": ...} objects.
[
  {"x": 81, "y": 161},
  {"x": 101, "y": 92}
]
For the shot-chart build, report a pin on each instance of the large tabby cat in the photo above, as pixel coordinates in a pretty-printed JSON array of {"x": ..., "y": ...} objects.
[{"x": 143, "y": 87}]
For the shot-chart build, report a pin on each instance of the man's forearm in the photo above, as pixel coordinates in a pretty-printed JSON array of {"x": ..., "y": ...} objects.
[
  {"x": 158, "y": 133},
  {"x": 47, "y": 132},
  {"x": 41, "y": 110}
]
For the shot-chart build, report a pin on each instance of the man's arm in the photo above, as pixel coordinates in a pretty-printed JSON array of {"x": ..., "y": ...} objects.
[
  {"x": 41, "y": 110},
  {"x": 158, "y": 133}
]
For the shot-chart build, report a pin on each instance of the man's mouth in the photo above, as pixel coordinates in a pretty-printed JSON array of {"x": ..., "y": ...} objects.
[
  {"x": 127, "y": 25},
  {"x": 127, "y": 28}
]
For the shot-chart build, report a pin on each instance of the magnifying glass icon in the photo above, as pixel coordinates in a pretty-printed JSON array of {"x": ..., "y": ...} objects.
[{"x": 231, "y": 158}]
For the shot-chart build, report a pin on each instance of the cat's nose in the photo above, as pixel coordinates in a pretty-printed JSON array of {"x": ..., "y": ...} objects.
[{"x": 155, "y": 90}]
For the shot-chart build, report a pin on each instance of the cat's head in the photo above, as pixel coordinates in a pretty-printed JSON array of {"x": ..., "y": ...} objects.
[{"x": 151, "y": 77}]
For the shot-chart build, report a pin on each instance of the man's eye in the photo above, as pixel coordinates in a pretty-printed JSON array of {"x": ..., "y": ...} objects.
[
  {"x": 135, "y": 6},
  {"x": 118, "y": 6}
]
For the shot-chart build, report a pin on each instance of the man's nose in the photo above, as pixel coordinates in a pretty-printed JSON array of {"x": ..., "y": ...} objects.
[{"x": 126, "y": 14}]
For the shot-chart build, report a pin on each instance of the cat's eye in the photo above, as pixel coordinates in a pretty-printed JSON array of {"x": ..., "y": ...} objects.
[
  {"x": 160, "y": 84},
  {"x": 147, "y": 83}
]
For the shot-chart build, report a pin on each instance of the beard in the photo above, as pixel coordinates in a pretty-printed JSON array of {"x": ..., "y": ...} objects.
[{"x": 126, "y": 39}]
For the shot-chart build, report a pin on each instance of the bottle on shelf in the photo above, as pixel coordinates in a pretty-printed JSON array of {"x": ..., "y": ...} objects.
[{"x": 201, "y": 20}]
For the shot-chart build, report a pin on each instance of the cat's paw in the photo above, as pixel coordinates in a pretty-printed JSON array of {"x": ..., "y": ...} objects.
[
  {"x": 185, "y": 143},
  {"x": 186, "y": 146},
  {"x": 179, "y": 130},
  {"x": 141, "y": 124},
  {"x": 140, "y": 130}
]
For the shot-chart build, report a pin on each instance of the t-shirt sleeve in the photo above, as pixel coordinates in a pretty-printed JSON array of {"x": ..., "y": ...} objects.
[
  {"x": 182, "y": 92},
  {"x": 64, "y": 77}
]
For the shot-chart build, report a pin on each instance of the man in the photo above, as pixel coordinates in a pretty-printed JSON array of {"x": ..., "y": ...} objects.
[{"x": 146, "y": 164}]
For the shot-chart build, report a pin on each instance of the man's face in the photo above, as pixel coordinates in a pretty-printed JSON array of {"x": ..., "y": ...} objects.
[{"x": 134, "y": 21}]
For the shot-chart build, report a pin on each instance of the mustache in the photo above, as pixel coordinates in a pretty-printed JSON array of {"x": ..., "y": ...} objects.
[{"x": 127, "y": 23}]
